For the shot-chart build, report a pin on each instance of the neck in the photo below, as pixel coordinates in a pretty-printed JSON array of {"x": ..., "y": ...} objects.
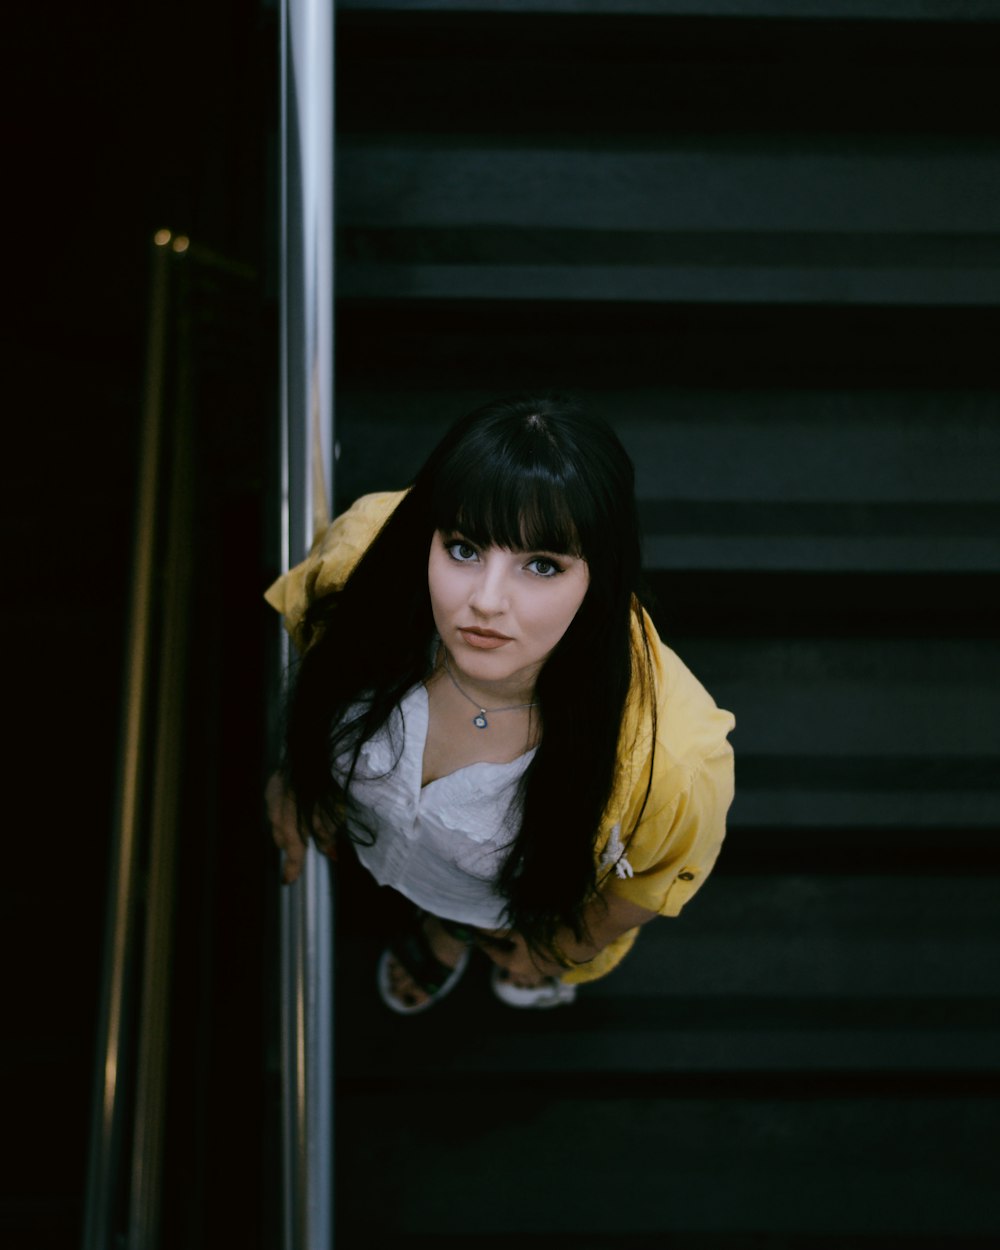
[{"x": 517, "y": 689}]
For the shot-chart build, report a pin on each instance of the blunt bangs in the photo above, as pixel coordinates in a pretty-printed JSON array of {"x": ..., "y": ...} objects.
[{"x": 516, "y": 506}]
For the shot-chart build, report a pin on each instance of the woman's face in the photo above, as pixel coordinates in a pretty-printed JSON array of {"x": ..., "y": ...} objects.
[{"x": 501, "y": 613}]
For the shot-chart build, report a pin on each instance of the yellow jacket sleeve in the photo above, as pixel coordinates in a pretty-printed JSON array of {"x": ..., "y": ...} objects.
[
  {"x": 677, "y": 843},
  {"x": 332, "y": 559},
  {"x": 664, "y": 860},
  {"x": 670, "y": 854},
  {"x": 677, "y": 839}
]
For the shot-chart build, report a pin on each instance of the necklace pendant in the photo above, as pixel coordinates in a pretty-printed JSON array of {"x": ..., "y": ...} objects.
[{"x": 480, "y": 721}]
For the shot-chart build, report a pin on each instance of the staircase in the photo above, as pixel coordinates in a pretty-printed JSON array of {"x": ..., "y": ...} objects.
[{"x": 763, "y": 239}]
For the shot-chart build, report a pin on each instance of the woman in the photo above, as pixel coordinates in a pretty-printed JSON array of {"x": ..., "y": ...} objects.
[{"x": 486, "y": 711}]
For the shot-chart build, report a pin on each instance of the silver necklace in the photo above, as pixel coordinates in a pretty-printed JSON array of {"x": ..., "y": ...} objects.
[{"x": 479, "y": 720}]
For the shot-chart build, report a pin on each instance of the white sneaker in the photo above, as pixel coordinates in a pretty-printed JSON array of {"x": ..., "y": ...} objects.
[{"x": 551, "y": 993}]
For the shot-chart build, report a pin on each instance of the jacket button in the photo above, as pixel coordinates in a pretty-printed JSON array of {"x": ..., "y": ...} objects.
[{"x": 685, "y": 876}]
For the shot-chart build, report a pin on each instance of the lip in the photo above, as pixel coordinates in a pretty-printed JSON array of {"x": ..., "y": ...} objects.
[{"x": 484, "y": 639}]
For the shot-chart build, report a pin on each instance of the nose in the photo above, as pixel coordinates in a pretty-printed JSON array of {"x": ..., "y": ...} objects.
[{"x": 489, "y": 594}]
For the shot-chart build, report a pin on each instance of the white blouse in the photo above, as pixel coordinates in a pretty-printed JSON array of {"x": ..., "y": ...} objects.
[{"x": 441, "y": 845}]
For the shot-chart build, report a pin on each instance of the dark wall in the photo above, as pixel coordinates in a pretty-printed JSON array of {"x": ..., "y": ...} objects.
[{"x": 124, "y": 119}]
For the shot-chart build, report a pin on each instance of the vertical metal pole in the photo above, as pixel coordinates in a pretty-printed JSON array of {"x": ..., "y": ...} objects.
[{"x": 307, "y": 70}]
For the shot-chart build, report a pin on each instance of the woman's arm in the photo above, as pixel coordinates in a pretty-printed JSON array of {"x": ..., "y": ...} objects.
[
  {"x": 283, "y": 814},
  {"x": 605, "y": 918}
]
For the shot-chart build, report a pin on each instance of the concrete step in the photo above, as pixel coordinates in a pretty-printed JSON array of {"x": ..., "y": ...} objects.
[
  {"x": 769, "y": 974},
  {"x": 857, "y": 219},
  {"x": 800, "y": 1239},
  {"x": 856, "y": 185},
  {"x": 839, "y": 447},
  {"x": 883, "y": 10},
  {"x": 779, "y": 480},
  {"x": 688, "y": 282},
  {"x": 622, "y": 70},
  {"x": 527, "y": 1163},
  {"x": 842, "y": 732},
  {"x": 740, "y": 1071}
]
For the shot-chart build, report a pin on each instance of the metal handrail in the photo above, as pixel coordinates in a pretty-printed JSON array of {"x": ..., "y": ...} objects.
[
  {"x": 145, "y": 1193},
  {"x": 307, "y": 439},
  {"x": 109, "y": 1085},
  {"x": 126, "y": 1164}
]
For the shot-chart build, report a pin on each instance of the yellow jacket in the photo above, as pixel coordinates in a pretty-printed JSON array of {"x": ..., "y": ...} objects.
[{"x": 662, "y": 862}]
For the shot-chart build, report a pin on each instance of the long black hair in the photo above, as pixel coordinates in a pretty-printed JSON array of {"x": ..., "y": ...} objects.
[{"x": 529, "y": 473}]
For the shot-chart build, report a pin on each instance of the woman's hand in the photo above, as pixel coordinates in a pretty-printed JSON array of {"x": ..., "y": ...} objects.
[
  {"x": 284, "y": 818},
  {"x": 283, "y": 814},
  {"x": 605, "y": 919}
]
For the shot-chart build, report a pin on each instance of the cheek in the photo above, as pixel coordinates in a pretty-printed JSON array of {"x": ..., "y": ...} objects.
[
  {"x": 440, "y": 584},
  {"x": 577, "y": 592}
]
